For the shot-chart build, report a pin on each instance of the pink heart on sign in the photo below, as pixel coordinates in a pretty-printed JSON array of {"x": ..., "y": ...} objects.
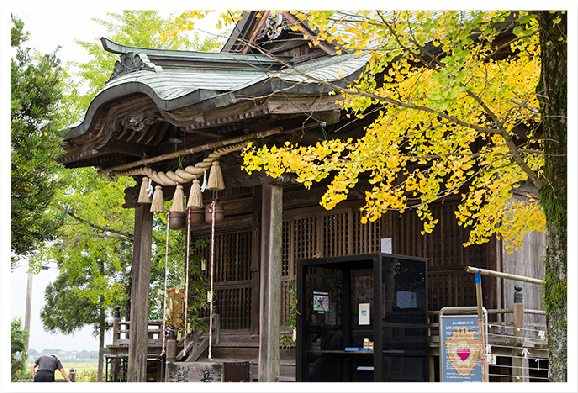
[{"x": 463, "y": 353}]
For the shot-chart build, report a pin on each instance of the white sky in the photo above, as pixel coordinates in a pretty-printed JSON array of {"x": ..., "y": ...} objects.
[{"x": 54, "y": 23}]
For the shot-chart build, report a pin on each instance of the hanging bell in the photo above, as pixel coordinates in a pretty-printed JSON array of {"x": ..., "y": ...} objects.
[
  {"x": 176, "y": 220},
  {"x": 196, "y": 215},
  {"x": 219, "y": 213}
]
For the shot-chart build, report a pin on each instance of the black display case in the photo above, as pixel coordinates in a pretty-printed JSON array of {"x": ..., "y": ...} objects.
[{"x": 346, "y": 302}]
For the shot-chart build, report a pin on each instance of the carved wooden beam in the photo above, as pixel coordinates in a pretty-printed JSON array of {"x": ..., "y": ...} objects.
[{"x": 256, "y": 31}]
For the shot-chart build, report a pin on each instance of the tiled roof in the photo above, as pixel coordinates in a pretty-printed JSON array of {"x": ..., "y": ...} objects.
[{"x": 176, "y": 79}]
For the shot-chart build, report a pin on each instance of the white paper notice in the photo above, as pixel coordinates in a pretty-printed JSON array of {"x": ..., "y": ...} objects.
[
  {"x": 386, "y": 245},
  {"x": 364, "y": 313},
  {"x": 406, "y": 299}
]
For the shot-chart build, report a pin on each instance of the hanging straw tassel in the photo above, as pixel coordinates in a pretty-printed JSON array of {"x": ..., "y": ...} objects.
[
  {"x": 143, "y": 196},
  {"x": 216, "y": 182},
  {"x": 157, "y": 205},
  {"x": 196, "y": 198},
  {"x": 178, "y": 200}
]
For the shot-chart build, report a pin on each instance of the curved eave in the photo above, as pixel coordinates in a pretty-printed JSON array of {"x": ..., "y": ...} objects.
[{"x": 203, "y": 99}]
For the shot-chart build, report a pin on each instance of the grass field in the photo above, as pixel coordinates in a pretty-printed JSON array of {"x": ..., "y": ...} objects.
[
  {"x": 86, "y": 369},
  {"x": 79, "y": 364}
]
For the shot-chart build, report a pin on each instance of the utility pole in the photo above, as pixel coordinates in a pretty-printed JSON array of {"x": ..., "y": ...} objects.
[
  {"x": 28, "y": 308},
  {"x": 29, "y": 303}
]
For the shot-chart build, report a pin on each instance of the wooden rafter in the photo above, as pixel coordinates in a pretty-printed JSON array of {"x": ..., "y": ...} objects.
[{"x": 256, "y": 31}]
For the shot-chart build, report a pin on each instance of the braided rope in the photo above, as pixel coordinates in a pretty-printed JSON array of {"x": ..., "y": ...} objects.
[{"x": 182, "y": 176}]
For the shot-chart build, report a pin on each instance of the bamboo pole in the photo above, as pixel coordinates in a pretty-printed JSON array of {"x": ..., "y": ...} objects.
[
  {"x": 193, "y": 150},
  {"x": 479, "y": 301},
  {"x": 507, "y": 276}
]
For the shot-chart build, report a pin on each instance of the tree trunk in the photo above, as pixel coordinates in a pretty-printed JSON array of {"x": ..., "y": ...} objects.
[{"x": 552, "y": 92}]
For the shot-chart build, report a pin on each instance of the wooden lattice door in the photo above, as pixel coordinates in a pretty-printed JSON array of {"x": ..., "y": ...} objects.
[{"x": 233, "y": 283}]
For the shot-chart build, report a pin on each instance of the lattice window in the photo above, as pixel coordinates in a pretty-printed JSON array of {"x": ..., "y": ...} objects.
[
  {"x": 366, "y": 237},
  {"x": 305, "y": 239},
  {"x": 232, "y": 257},
  {"x": 336, "y": 234}
]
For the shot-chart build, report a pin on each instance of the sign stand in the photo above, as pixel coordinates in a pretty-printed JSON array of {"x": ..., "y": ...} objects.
[{"x": 462, "y": 353}]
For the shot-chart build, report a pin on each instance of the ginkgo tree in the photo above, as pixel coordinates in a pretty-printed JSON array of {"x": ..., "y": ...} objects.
[
  {"x": 445, "y": 125},
  {"x": 467, "y": 103}
]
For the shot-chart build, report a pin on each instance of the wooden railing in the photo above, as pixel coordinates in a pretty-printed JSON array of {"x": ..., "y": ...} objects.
[{"x": 121, "y": 331}]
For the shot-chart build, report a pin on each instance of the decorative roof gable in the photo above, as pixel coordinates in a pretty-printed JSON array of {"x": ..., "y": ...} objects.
[{"x": 130, "y": 62}]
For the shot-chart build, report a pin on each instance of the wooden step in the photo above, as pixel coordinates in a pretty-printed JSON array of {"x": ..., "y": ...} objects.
[{"x": 237, "y": 354}]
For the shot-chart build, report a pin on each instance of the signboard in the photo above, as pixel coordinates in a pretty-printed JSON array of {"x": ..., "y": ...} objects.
[
  {"x": 364, "y": 313},
  {"x": 460, "y": 346},
  {"x": 320, "y": 302},
  {"x": 386, "y": 245}
]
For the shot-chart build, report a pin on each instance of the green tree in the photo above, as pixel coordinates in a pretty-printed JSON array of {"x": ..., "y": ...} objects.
[
  {"x": 68, "y": 307},
  {"x": 35, "y": 142},
  {"x": 454, "y": 106},
  {"x": 19, "y": 335},
  {"x": 141, "y": 29},
  {"x": 93, "y": 250},
  {"x": 94, "y": 244}
]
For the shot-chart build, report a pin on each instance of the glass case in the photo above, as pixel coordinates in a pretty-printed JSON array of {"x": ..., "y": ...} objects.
[{"x": 362, "y": 318}]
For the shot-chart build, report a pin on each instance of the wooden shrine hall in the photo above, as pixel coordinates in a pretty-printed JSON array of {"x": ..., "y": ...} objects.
[{"x": 163, "y": 110}]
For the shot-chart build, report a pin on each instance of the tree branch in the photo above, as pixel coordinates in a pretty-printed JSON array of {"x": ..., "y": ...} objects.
[
  {"x": 107, "y": 232},
  {"x": 500, "y": 130},
  {"x": 509, "y": 142}
]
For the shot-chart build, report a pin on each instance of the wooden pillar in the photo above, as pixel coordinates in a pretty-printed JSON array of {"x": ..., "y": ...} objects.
[
  {"x": 141, "y": 272},
  {"x": 270, "y": 282}
]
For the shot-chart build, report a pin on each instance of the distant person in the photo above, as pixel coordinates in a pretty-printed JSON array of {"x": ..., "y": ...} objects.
[{"x": 46, "y": 367}]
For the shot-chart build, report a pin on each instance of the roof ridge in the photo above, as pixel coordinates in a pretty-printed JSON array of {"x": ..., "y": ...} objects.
[{"x": 120, "y": 49}]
